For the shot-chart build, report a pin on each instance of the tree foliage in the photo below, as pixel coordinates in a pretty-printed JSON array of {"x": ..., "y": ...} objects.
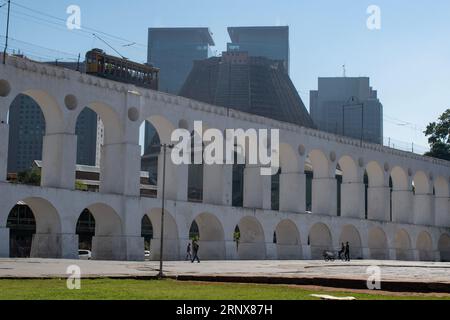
[
  {"x": 439, "y": 137},
  {"x": 80, "y": 186},
  {"x": 31, "y": 176}
]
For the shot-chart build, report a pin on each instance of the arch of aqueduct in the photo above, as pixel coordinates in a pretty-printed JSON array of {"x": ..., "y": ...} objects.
[{"x": 414, "y": 226}]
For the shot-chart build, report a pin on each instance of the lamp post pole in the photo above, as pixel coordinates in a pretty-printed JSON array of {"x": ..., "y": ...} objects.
[
  {"x": 164, "y": 146},
  {"x": 7, "y": 32}
]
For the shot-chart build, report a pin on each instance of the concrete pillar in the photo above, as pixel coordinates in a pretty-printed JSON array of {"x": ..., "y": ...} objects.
[
  {"x": 392, "y": 254},
  {"x": 120, "y": 169},
  {"x": 378, "y": 203},
  {"x": 271, "y": 251},
  {"x": 257, "y": 188},
  {"x": 69, "y": 246},
  {"x": 402, "y": 206},
  {"x": 353, "y": 200},
  {"x": 4, "y": 242},
  {"x": 324, "y": 196},
  {"x": 108, "y": 248},
  {"x": 59, "y": 154},
  {"x": 131, "y": 231},
  {"x": 365, "y": 253},
  {"x": 442, "y": 212},
  {"x": 4, "y": 140},
  {"x": 171, "y": 250},
  {"x": 437, "y": 256},
  {"x": 423, "y": 209},
  {"x": 414, "y": 255},
  {"x": 231, "y": 250},
  {"x": 46, "y": 245},
  {"x": 134, "y": 248},
  {"x": 292, "y": 192},
  {"x": 218, "y": 184},
  {"x": 306, "y": 252},
  {"x": 176, "y": 179}
]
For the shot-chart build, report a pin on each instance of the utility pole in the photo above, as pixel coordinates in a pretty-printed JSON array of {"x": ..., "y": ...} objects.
[
  {"x": 7, "y": 33},
  {"x": 164, "y": 146},
  {"x": 78, "y": 62}
]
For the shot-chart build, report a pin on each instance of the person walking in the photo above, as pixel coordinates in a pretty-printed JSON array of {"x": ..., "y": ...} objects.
[
  {"x": 347, "y": 252},
  {"x": 195, "y": 248},
  {"x": 341, "y": 252},
  {"x": 189, "y": 252}
]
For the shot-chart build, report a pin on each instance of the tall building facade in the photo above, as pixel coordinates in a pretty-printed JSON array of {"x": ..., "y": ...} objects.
[
  {"x": 173, "y": 51},
  {"x": 271, "y": 42},
  {"x": 348, "y": 106},
  {"x": 27, "y": 130}
]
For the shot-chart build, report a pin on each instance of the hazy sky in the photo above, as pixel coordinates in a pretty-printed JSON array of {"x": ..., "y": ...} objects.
[{"x": 408, "y": 60}]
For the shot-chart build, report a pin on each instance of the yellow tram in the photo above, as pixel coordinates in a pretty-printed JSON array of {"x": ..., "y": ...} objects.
[{"x": 100, "y": 64}]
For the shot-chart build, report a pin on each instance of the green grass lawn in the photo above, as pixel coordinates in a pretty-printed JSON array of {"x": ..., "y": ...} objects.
[{"x": 117, "y": 289}]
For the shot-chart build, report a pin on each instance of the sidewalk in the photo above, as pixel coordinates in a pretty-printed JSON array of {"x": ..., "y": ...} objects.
[{"x": 395, "y": 275}]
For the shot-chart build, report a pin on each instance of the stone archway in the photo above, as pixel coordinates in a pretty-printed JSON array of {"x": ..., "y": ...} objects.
[
  {"x": 378, "y": 193},
  {"x": 323, "y": 185},
  {"x": 44, "y": 240},
  {"x": 351, "y": 235},
  {"x": 288, "y": 241},
  {"x": 251, "y": 242},
  {"x": 319, "y": 239},
  {"x": 401, "y": 196},
  {"x": 352, "y": 189},
  {"x": 424, "y": 246},
  {"x": 441, "y": 203},
  {"x": 107, "y": 242},
  {"x": 402, "y": 244},
  {"x": 211, "y": 237},
  {"x": 378, "y": 244},
  {"x": 444, "y": 247},
  {"x": 171, "y": 239}
]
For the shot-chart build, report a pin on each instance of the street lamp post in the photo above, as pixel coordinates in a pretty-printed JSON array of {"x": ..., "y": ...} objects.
[
  {"x": 7, "y": 32},
  {"x": 161, "y": 249}
]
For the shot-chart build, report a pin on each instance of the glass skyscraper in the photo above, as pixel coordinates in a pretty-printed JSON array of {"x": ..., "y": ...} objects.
[
  {"x": 271, "y": 42},
  {"x": 173, "y": 51},
  {"x": 27, "y": 130},
  {"x": 348, "y": 106}
]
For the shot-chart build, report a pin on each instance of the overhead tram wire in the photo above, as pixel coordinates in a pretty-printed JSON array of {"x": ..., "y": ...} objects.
[
  {"x": 57, "y": 25},
  {"x": 37, "y": 56},
  {"x": 85, "y": 29},
  {"x": 73, "y": 55}
]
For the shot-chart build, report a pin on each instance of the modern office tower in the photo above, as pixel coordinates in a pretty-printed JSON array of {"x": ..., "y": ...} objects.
[
  {"x": 173, "y": 51},
  {"x": 348, "y": 106},
  {"x": 255, "y": 85},
  {"x": 27, "y": 129},
  {"x": 270, "y": 42}
]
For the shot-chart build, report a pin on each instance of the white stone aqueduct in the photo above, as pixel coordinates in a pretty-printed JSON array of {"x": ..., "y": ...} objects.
[{"x": 417, "y": 230}]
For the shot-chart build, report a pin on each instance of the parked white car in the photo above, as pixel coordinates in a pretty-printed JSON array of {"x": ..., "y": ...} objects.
[
  {"x": 147, "y": 254},
  {"x": 84, "y": 254}
]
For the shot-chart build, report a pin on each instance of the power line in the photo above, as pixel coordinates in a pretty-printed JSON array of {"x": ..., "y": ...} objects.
[
  {"x": 33, "y": 54},
  {"x": 90, "y": 30},
  {"x": 60, "y": 27},
  {"x": 45, "y": 48}
]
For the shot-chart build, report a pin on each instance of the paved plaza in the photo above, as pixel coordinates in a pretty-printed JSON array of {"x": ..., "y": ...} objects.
[{"x": 413, "y": 274}]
